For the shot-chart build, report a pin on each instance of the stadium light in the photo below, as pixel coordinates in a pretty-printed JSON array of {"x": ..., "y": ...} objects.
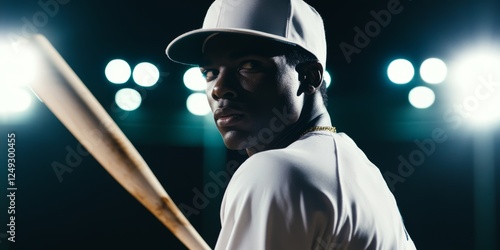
[
  {"x": 197, "y": 104},
  {"x": 328, "y": 78},
  {"x": 194, "y": 80},
  {"x": 14, "y": 99},
  {"x": 128, "y": 99},
  {"x": 117, "y": 71},
  {"x": 146, "y": 74},
  {"x": 433, "y": 71},
  {"x": 400, "y": 71},
  {"x": 421, "y": 97},
  {"x": 18, "y": 68},
  {"x": 474, "y": 86}
]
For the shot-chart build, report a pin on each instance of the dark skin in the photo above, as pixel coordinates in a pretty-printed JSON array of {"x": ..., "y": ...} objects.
[{"x": 249, "y": 82}]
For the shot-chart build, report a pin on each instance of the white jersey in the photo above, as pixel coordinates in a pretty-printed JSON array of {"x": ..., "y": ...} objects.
[{"x": 320, "y": 192}]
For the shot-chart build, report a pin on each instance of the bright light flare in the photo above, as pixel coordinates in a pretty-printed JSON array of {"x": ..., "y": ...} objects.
[
  {"x": 328, "y": 78},
  {"x": 128, "y": 99},
  {"x": 400, "y": 71},
  {"x": 433, "y": 71},
  {"x": 14, "y": 99},
  {"x": 421, "y": 97},
  {"x": 117, "y": 71},
  {"x": 18, "y": 67},
  {"x": 197, "y": 104},
  {"x": 475, "y": 87},
  {"x": 194, "y": 80},
  {"x": 146, "y": 74}
]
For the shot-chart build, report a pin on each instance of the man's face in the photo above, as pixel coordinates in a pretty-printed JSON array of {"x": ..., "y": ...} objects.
[{"x": 251, "y": 90}]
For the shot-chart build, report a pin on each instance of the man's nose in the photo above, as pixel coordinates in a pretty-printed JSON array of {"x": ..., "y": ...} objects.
[{"x": 225, "y": 85}]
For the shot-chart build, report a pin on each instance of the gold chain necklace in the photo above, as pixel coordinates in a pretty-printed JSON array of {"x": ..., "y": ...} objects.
[{"x": 320, "y": 128}]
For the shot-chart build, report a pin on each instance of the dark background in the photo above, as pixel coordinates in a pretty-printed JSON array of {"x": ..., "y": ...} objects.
[{"x": 88, "y": 209}]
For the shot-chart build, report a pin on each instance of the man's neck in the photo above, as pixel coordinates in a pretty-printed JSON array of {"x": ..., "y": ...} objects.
[{"x": 293, "y": 132}]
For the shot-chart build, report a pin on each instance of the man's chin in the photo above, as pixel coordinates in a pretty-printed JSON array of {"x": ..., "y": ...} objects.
[{"x": 235, "y": 140}]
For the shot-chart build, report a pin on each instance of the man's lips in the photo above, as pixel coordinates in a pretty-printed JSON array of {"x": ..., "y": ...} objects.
[{"x": 226, "y": 117}]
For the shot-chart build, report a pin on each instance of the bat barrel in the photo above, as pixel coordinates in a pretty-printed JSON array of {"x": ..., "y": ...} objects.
[{"x": 74, "y": 105}]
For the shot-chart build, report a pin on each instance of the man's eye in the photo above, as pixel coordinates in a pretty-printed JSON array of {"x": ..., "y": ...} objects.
[
  {"x": 209, "y": 74},
  {"x": 249, "y": 65}
]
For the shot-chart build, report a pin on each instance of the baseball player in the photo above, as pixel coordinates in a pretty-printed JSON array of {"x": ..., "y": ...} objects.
[{"x": 304, "y": 186}]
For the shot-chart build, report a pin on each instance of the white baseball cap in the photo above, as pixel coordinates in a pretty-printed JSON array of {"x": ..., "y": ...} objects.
[{"x": 291, "y": 22}]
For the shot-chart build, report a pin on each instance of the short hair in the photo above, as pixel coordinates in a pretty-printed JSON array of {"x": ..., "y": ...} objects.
[{"x": 295, "y": 56}]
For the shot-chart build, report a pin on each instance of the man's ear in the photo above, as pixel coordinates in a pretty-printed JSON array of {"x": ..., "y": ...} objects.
[{"x": 310, "y": 76}]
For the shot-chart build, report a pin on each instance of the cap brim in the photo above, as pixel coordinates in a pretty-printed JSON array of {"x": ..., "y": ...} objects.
[{"x": 187, "y": 48}]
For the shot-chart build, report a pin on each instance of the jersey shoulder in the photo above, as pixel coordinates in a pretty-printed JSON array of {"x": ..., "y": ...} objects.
[{"x": 271, "y": 167}]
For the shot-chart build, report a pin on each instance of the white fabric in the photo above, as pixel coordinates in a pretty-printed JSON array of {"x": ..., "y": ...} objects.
[
  {"x": 287, "y": 21},
  {"x": 321, "y": 192}
]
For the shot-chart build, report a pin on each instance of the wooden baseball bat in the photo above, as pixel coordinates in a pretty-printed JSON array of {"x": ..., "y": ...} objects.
[{"x": 73, "y": 104}]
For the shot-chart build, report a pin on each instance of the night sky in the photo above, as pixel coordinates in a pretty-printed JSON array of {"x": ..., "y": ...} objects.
[{"x": 445, "y": 200}]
